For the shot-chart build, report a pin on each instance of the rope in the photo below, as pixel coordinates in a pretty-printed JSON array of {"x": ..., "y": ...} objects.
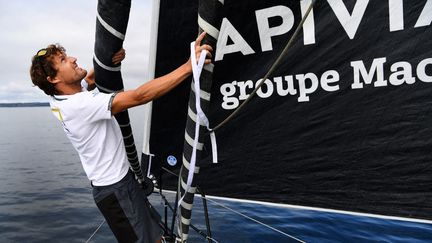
[
  {"x": 91, "y": 236},
  {"x": 256, "y": 221},
  {"x": 271, "y": 70},
  {"x": 213, "y": 240}
]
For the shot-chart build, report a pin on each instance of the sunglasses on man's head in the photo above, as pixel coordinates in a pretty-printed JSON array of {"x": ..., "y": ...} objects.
[{"x": 42, "y": 52}]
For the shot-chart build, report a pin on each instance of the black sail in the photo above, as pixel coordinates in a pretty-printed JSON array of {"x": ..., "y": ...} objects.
[{"x": 344, "y": 123}]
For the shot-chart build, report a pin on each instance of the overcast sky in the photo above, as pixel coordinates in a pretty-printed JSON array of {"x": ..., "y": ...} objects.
[{"x": 29, "y": 25}]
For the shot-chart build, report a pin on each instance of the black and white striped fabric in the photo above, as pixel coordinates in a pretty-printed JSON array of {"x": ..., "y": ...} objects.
[
  {"x": 209, "y": 20},
  {"x": 111, "y": 25}
]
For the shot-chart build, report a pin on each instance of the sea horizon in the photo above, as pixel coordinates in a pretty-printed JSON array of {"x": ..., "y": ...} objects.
[{"x": 24, "y": 104}]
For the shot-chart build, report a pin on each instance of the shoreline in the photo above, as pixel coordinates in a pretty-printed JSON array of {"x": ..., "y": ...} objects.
[{"x": 25, "y": 104}]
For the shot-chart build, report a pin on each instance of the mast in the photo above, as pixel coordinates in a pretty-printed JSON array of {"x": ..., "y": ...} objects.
[{"x": 209, "y": 20}]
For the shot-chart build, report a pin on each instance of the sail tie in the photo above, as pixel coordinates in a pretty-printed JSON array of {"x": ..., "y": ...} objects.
[{"x": 201, "y": 118}]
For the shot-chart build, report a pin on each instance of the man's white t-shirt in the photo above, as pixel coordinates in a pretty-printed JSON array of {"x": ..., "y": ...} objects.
[{"x": 94, "y": 133}]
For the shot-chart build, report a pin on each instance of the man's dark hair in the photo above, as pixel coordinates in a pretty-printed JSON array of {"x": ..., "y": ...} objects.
[{"x": 42, "y": 68}]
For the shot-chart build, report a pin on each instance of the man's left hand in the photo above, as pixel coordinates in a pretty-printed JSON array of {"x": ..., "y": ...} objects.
[{"x": 119, "y": 56}]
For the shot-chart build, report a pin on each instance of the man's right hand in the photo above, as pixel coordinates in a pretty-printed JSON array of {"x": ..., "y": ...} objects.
[{"x": 199, "y": 48}]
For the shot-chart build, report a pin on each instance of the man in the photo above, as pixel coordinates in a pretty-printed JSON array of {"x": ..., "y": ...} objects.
[{"x": 87, "y": 119}]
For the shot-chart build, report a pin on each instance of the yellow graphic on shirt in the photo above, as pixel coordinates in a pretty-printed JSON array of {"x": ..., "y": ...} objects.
[
  {"x": 57, "y": 111},
  {"x": 60, "y": 117}
]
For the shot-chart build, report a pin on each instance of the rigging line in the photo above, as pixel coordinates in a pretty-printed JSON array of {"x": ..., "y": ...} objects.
[
  {"x": 207, "y": 236},
  {"x": 169, "y": 172},
  {"x": 255, "y": 220},
  {"x": 206, "y": 215},
  {"x": 272, "y": 68},
  {"x": 91, "y": 236},
  {"x": 226, "y": 207},
  {"x": 211, "y": 239},
  {"x": 176, "y": 215}
]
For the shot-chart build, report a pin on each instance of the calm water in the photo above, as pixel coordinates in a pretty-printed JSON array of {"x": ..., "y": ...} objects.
[{"x": 45, "y": 197}]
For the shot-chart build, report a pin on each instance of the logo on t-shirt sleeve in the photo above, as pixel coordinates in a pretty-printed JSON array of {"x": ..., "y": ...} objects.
[{"x": 57, "y": 113}]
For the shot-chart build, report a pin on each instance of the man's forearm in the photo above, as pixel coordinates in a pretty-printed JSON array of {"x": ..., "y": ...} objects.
[
  {"x": 162, "y": 85},
  {"x": 150, "y": 90}
]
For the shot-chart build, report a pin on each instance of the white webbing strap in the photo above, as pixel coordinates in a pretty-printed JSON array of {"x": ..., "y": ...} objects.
[{"x": 196, "y": 70}]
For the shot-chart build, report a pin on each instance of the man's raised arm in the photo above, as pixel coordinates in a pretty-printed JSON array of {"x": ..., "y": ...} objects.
[{"x": 159, "y": 86}]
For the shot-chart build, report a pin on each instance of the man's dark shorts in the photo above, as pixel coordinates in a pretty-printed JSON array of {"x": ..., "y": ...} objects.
[{"x": 127, "y": 211}]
